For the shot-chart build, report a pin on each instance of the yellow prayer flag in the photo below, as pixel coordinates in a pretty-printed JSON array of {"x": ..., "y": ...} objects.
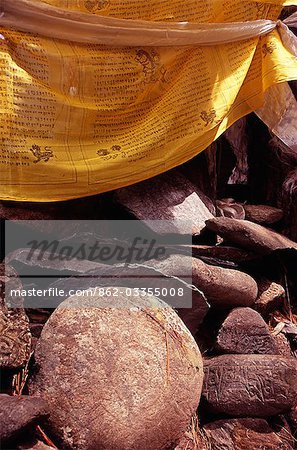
[{"x": 82, "y": 118}]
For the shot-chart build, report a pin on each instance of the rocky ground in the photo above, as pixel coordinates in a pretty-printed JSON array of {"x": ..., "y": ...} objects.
[{"x": 220, "y": 376}]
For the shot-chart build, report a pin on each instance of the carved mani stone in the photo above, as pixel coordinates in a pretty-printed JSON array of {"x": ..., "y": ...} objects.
[
  {"x": 125, "y": 377},
  {"x": 223, "y": 287},
  {"x": 250, "y": 385},
  {"x": 244, "y": 331},
  {"x": 249, "y": 235},
  {"x": 244, "y": 434},
  {"x": 263, "y": 214},
  {"x": 15, "y": 336},
  {"x": 283, "y": 345},
  {"x": 270, "y": 295}
]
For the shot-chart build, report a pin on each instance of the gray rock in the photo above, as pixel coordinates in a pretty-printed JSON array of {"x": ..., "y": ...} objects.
[
  {"x": 18, "y": 413},
  {"x": 245, "y": 332},
  {"x": 244, "y": 434},
  {"x": 15, "y": 336},
  {"x": 250, "y": 385},
  {"x": 168, "y": 197}
]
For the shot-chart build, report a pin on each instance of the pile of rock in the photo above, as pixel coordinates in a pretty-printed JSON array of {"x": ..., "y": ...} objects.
[{"x": 132, "y": 377}]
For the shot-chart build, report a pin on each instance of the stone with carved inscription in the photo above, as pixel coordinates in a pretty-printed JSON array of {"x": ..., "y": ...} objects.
[
  {"x": 263, "y": 214},
  {"x": 222, "y": 287},
  {"x": 245, "y": 434},
  {"x": 120, "y": 373},
  {"x": 283, "y": 344},
  {"x": 249, "y": 235},
  {"x": 15, "y": 336},
  {"x": 244, "y": 331},
  {"x": 250, "y": 385},
  {"x": 270, "y": 296}
]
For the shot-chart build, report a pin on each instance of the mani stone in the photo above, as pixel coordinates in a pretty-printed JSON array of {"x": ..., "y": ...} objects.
[
  {"x": 263, "y": 214},
  {"x": 127, "y": 377},
  {"x": 244, "y": 331},
  {"x": 249, "y": 235},
  {"x": 244, "y": 434},
  {"x": 17, "y": 413},
  {"x": 222, "y": 287},
  {"x": 250, "y": 385},
  {"x": 283, "y": 345},
  {"x": 15, "y": 336},
  {"x": 270, "y": 295},
  {"x": 168, "y": 197}
]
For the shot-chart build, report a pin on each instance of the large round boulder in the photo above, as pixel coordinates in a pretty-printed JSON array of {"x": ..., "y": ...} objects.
[{"x": 125, "y": 376}]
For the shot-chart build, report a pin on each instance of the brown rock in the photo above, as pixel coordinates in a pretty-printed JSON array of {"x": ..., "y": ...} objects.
[
  {"x": 37, "y": 318},
  {"x": 227, "y": 207},
  {"x": 283, "y": 345},
  {"x": 122, "y": 377},
  {"x": 250, "y": 385},
  {"x": 37, "y": 445},
  {"x": 80, "y": 208},
  {"x": 15, "y": 336},
  {"x": 270, "y": 295},
  {"x": 18, "y": 413},
  {"x": 245, "y": 332},
  {"x": 170, "y": 197},
  {"x": 289, "y": 198},
  {"x": 180, "y": 266},
  {"x": 249, "y": 235},
  {"x": 223, "y": 253},
  {"x": 263, "y": 214},
  {"x": 193, "y": 317},
  {"x": 192, "y": 440},
  {"x": 237, "y": 138},
  {"x": 63, "y": 219},
  {"x": 222, "y": 287},
  {"x": 292, "y": 419},
  {"x": 244, "y": 434}
]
